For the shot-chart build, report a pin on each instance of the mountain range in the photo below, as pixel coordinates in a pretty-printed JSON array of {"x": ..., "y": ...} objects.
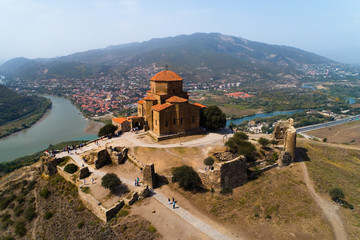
[{"x": 202, "y": 56}]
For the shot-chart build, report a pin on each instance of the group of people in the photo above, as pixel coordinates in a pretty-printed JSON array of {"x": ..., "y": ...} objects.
[{"x": 173, "y": 202}]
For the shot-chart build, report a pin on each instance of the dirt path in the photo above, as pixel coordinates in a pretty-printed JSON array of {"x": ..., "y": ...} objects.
[
  {"x": 328, "y": 208},
  {"x": 169, "y": 224}
]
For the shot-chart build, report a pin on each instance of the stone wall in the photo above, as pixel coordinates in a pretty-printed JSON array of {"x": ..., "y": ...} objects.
[
  {"x": 229, "y": 174},
  {"x": 103, "y": 158},
  {"x": 149, "y": 176}
]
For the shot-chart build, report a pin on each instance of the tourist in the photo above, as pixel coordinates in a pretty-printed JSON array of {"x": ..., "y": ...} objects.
[
  {"x": 138, "y": 181},
  {"x": 84, "y": 181},
  {"x": 169, "y": 201},
  {"x": 135, "y": 183},
  {"x": 92, "y": 181},
  {"x": 173, "y": 199},
  {"x": 174, "y": 204}
]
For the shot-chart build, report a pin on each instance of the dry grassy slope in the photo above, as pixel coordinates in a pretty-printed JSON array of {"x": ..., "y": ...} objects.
[
  {"x": 348, "y": 133},
  {"x": 277, "y": 205},
  {"x": 337, "y": 167},
  {"x": 70, "y": 220}
]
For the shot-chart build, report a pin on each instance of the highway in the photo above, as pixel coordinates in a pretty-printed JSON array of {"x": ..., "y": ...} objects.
[{"x": 327, "y": 124}]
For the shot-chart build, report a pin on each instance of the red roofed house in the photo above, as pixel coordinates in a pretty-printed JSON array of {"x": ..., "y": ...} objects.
[
  {"x": 122, "y": 123},
  {"x": 166, "y": 109}
]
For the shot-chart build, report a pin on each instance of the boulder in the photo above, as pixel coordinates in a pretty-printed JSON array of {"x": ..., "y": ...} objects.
[{"x": 84, "y": 173}]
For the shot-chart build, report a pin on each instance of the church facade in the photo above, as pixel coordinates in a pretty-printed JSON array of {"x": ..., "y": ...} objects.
[{"x": 166, "y": 109}]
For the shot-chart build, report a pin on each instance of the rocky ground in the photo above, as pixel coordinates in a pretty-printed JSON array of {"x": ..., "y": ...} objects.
[{"x": 36, "y": 207}]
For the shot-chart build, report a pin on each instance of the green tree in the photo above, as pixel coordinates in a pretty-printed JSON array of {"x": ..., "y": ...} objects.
[
  {"x": 208, "y": 161},
  {"x": 273, "y": 142},
  {"x": 110, "y": 181},
  {"x": 187, "y": 177},
  {"x": 263, "y": 141},
  {"x": 212, "y": 118},
  {"x": 233, "y": 142},
  {"x": 336, "y": 194},
  {"x": 70, "y": 168},
  {"x": 108, "y": 129}
]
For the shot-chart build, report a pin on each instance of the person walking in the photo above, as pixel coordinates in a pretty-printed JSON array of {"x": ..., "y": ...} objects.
[
  {"x": 174, "y": 204},
  {"x": 169, "y": 201}
]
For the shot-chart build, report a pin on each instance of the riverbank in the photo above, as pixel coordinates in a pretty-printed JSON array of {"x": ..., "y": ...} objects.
[
  {"x": 64, "y": 122},
  {"x": 26, "y": 122}
]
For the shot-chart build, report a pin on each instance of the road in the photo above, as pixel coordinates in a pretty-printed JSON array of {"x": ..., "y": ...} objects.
[{"x": 327, "y": 124}]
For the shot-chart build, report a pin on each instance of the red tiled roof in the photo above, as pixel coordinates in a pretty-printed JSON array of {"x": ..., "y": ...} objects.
[
  {"x": 176, "y": 99},
  {"x": 160, "y": 94},
  {"x": 199, "y": 105},
  {"x": 152, "y": 98},
  {"x": 166, "y": 75},
  {"x": 119, "y": 120},
  {"x": 141, "y": 102},
  {"x": 160, "y": 107}
]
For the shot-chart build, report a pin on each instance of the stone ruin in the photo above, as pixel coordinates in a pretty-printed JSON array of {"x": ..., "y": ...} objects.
[
  {"x": 285, "y": 131},
  {"x": 106, "y": 155},
  {"x": 228, "y": 174},
  {"x": 149, "y": 176}
]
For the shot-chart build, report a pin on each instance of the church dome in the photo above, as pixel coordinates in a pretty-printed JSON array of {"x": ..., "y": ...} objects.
[{"x": 166, "y": 75}]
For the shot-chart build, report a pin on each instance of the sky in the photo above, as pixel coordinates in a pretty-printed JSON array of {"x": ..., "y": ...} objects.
[{"x": 51, "y": 28}]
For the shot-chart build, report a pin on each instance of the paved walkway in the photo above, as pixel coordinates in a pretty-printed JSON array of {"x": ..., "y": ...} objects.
[{"x": 184, "y": 214}]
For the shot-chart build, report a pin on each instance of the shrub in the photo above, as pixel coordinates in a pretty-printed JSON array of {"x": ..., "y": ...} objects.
[
  {"x": 275, "y": 156},
  {"x": 20, "y": 228},
  {"x": 71, "y": 168},
  {"x": 208, "y": 161},
  {"x": 273, "y": 142},
  {"x": 4, "y": 202},
  {"x": 108, "y": 129},
  {"x": 187, "y": 177},
  {"x": 263, "y": 141},
  {"x": 18, "y": 210},
  {"x": 80, "y": 224},
  {"x": 30, "y": 213},
  {"x": 48, "y": 214},
  {"x": 110, "y": 181},
  {"x": 44, "y": 192},
  {"x": 336, "y": 194},
  {"x": 151, "y": 228},
  {"x": 239, "y": 144},
  {"x": 324, "y": 139},
  {"x": 212, "y": 118}
]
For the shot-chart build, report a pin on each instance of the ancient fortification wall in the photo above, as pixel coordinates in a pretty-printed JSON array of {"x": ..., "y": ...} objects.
[{"x": 228, "y": 174}]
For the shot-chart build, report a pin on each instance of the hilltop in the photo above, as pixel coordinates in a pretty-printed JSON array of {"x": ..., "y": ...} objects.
[{"x": 200, "y": 56}]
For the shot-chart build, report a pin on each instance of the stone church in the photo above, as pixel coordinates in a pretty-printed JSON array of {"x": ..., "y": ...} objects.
[{"x": 165, "y": 111}]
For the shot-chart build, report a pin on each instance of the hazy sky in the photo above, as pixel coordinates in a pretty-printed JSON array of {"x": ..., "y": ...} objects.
[{"x": 50, "y": 28}]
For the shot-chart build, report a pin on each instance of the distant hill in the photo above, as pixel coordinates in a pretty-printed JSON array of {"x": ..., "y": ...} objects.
[
  {"x": 14, "y": 106},
  {"x": 201, "y": 55}
]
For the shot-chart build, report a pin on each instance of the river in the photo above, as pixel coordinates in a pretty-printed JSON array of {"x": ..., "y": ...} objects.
[
  {"x": 64, "y": 122},
  {"x": 259, "y": 115}
]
